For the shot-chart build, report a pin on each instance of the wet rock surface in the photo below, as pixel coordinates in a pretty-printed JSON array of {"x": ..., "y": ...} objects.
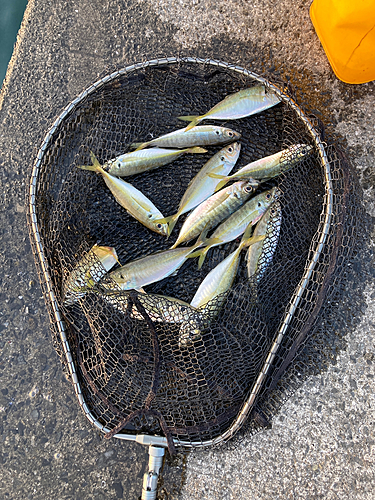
[{"x": 322, "y": 444}]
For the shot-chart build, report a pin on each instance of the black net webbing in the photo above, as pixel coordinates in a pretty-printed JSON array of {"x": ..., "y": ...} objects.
[{"x": 134, "y": 373}]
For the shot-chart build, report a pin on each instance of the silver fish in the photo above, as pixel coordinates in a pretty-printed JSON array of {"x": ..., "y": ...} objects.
[
  {"x": 205, "y": 135},
  {"x": 244, "y": 103},
  {"x": 155, "y": 267},
  {"x": 212, "y": 292},
  {"x": 137, "y": 162},
  {"x": 213, "y": 210},
  {"x": 260, "y": 255},
  {"x": 160, "y": 308},
  {"x": 270, "y": 166},
  {"x": 236, "y": 224},
  {"x": 202, "y": 185},
  {"x": 88, "y": 271},
  {"x": 219, "y": 280},
  {"x": 134, "y": 202}
]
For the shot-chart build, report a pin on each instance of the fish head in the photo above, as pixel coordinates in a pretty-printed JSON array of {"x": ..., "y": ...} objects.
[
  {"x": 160, "y": 227},
  {"x": 226, "y": 134},
  {"x": 230, "y": 153},
  {"x": 123, "y": 280},
  {"x": 243, "y": 189}
]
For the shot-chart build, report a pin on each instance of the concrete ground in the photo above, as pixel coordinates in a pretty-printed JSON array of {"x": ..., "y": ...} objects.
[{"x": 322, "y": 443}]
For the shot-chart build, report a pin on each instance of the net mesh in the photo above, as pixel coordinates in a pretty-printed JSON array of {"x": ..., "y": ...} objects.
[{"x": 135, "y": 374}]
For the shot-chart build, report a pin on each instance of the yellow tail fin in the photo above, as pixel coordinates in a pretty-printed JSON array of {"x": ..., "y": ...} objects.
[
  {"x": 94, "y": 166},
  {"x": 194, "y": 120}
]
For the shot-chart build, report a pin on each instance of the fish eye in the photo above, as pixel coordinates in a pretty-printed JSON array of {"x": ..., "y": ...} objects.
[
  {"x": 158, "y": 225},
  {"x": 248, "y": 189},
  {"x": 268, "y": 196},
  {"x": 230, "y": 150},
  {"x": 230, "y": 133}
]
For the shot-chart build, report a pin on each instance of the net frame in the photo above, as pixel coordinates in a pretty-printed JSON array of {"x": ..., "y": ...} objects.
[{"x": 316, "y": 249}]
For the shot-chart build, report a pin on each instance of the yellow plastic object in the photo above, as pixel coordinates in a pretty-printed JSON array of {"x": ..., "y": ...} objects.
[{"x": 346, "y": 29}]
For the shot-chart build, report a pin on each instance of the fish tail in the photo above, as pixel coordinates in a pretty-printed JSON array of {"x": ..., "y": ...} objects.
[
  {"x": 221, "y": 184},
  {"x": 206, "y": 242},
  {"x": 196, "y": 149},
  {"x": 137, "y": 146},
  {"x": 252, "y": 240},
  {"x": 202, "y": 256},
  {"x": 87, "y": 167},
  {"x": 194, "y": 120},
  {"x": 94, "y": 166},
  {"x": 201, "y": 253},
  {"x": 246, "y": 236},
  {"x": 170, "y": 220}
]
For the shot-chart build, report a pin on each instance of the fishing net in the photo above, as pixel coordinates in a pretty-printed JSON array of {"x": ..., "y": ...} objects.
[{"x": 130, "y": 367}]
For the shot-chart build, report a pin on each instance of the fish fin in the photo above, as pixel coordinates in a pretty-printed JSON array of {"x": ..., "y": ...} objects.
[
  {"x": 172, "y": 223},
  {"x": 196, "y": 149},
  {"x": 201, "y": 253},
  {"x": 197, "y": 253},
  {"x": 194, "y": 120},
  {"x": 222, "y": 183},
  {"x": 170, "y": 220},
  {"x": 246, "y": 236},
  {"x": 253, "y": 240},
  {"x": 94, "y": 160},
  {"x": 142, "y": 290},
  {"x": 204, "y": 241},
  {"x": 216, "y": 176},
  {"x": 87, "y": 167},
  {"x": 202, "y": 257},
  {"x": 94, "y": 166},
  {"x": 137, "y": 146}
]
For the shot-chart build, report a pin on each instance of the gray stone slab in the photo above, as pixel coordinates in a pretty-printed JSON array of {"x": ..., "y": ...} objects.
[{"x": 322, "y": 444}]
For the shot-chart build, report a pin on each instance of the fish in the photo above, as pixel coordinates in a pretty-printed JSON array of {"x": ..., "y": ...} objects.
[
  {"x": 268, "y": 167},
  {"x": 245, "y": 102},
  {"x": 260, "y": 255},
  {"x": 213, "y": 210},
  {"x": 88, "y": 271},
  {"x": 212, "y": 292},
  {"x": 154, "y": 267},
  {"x": 235, "y": 225},
  {"x": 204, "y": 135},
  {"x": 160, "y": 308},
  {"x": 202, "y": 186},
  {"x": 138, "y": 162},
  {"x": 220, "y": 279},
  {"x": 134, "y": 202}
]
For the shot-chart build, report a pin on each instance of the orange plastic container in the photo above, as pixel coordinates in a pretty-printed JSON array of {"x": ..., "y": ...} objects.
[{"x": 346, "y": 29}]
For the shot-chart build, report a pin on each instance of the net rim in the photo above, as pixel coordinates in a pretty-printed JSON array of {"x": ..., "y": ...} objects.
[{"x": 309, "y": 268}]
